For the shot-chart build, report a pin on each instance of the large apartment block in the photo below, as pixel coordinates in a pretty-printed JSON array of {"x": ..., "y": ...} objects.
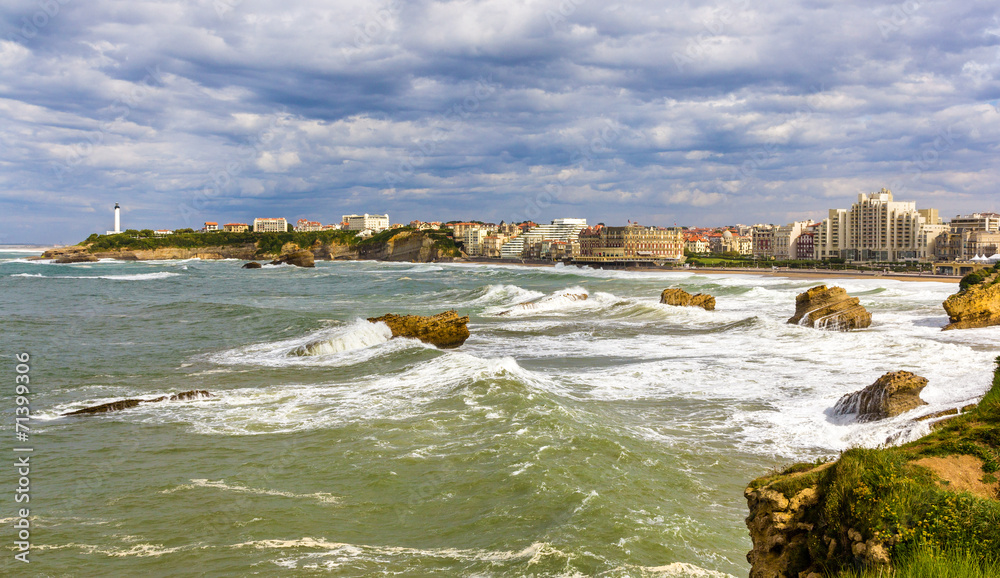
[
  {"x": 557, "y": 230},
  {"x": 878, "y": 228}
]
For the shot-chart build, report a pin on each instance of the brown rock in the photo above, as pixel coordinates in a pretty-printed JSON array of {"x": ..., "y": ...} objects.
[
  {"x": 892, "y": 394},
  {"x": 977, "y": 306},
  {"x": 830, "y": 308},
  {"x": 682, "y": 298},
  {"x": 443, "y": 330},
  {"x": 130, "y": 403},
  {"x": 252, "y": 265},
  {"x": 301, "y": 258}
]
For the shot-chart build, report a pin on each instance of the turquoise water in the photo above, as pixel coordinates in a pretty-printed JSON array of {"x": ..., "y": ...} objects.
[{"x": 611, "y": 436}]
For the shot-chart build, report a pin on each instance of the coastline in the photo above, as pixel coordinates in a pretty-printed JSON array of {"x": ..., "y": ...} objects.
[{"x": 784, "y": 273}]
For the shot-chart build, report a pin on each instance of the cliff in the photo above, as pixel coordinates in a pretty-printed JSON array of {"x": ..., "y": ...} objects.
[
  {"x": 408, "y": 245},
  {"x": 393, "y": 245},
  {"x": 875, "y": 507},
  {"x": 830, "y": 308},
  {"x": 975, "y": 305}
]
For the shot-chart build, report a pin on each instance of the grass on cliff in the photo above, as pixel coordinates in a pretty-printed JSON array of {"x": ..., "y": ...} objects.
[
  {"x": 267, "y": 243},
  {"x": 927, "y": 562},
  {"x": 883, "y": 495},
  {"x": 980, "y": 276}
]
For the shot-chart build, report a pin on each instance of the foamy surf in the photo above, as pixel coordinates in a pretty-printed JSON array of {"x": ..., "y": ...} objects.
[
  {"x": 354, "y": 343},
  {"x": 321, "y": 497}
]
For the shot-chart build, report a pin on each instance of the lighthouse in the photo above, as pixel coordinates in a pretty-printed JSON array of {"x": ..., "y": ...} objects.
[{"x": 118, "y": 221}]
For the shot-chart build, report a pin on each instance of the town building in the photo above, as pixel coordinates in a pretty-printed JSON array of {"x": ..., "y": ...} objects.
[
  {"x": 989, "y": 222},
  {"x": 877, "y": 228},
  {"x": 785, "y": 240},
  {"x": 236, "y": 227},
  {"x": 762, "y": 241},
  {"x": 632, "y": 243},
  {"x": 162, "y": 232},
  {"x": 211, "y": 226},
  {"x": 305, "y": 225},
  {"x": 270, "y": 225},
  {"x": 696, "y": 244},
  {"x": 557, "y": 230},
  {"x": 805, "y": 245},
  {"x": 377, "y": 223}
]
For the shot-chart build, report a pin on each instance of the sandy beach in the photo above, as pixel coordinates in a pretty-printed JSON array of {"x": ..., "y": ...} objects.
[{"x": 826, "y": 274}]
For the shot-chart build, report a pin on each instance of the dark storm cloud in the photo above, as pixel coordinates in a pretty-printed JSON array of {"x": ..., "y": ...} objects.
[{"x": 705, "y": 113}]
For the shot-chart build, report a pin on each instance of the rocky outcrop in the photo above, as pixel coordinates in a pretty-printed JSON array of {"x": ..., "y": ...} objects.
[
  {"x": 830, "y": 308},
  {"x": 413, "y": 246},
  {"x": 976, "y": 306},
  {"x": 894, "y": 393},
  {"x": 302, "y": 258},
  {"x": 779, "y": 531},
  {"x": 130, "y": 403},
  {"x": 682, "y": 298},
  {"x": 790, "y": 537},
  {"x": 251, "y": 265},
  {"x": 444, "y": 330}
]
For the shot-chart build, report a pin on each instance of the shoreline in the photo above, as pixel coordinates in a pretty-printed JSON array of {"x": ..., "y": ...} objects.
[
  {"x": 768, "y": 272},
  {"x": 785, "y": 273}
]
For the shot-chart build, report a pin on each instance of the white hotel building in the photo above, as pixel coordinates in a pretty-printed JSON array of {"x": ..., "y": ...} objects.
[{"x": 376, "y": 223}]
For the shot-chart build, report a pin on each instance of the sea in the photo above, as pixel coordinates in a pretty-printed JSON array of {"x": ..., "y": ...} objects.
[{"x": 606, "y": 436}]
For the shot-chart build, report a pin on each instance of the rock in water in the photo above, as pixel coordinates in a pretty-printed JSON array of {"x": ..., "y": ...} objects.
[
  {"x": 252, "y": 265},
  {"x": 894, "y": 393},
  {"x": 301, "y": 258},
  {"x": 443, "y": 330},
  {"x": 830, "y": 308},
  {"x": 682, "y": 298},
  {"x": 977, "y": 306},
  {"x": 130, "y": 403}
]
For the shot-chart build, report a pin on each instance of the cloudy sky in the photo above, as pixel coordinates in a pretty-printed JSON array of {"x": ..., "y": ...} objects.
[{"x": 696, "y": 113}]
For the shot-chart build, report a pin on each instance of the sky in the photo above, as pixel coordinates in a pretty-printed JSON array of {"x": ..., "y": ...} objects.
[{"x": 691, "y": 113}]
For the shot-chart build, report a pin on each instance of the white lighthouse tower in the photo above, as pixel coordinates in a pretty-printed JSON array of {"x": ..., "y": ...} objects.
[{"x": 118, "y": 221}]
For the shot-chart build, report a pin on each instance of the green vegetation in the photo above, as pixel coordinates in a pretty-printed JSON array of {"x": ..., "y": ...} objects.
[
  {"x": 443, "y": 242},
  {"x": 980, "y": 276},
  {"x": 266, "y": 242},
  {"x": 927, "y": 529},
  {"x": 926, "y": 562}
]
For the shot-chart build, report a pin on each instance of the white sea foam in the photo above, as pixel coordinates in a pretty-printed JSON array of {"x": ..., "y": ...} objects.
[
  {"x": 342, "y": 345},
  {"x": 322, "y": 497},
  {"x": 132, "y": 277},
  {"x": 332, "y": 554}
]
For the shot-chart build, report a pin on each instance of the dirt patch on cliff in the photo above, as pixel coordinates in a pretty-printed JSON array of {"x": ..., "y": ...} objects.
[{"x": 962, "y": 474}]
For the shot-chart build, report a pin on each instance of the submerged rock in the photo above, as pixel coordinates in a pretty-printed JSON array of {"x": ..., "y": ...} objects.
[
  {"x": 976, "y": 306},
  {"x": 301, "y": 258},
  {"x": 252, "y": 265},
  {"x": 830, "y": 308},
  {"x": 894, "y": 393},
  {"x": 130, "y": 403},
  {"x": 443, "y": 330},
  {"x": 682, "y": 298}
]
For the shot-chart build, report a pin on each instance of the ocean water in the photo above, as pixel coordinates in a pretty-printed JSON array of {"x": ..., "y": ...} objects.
[{"x": 611, "y": 436}]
